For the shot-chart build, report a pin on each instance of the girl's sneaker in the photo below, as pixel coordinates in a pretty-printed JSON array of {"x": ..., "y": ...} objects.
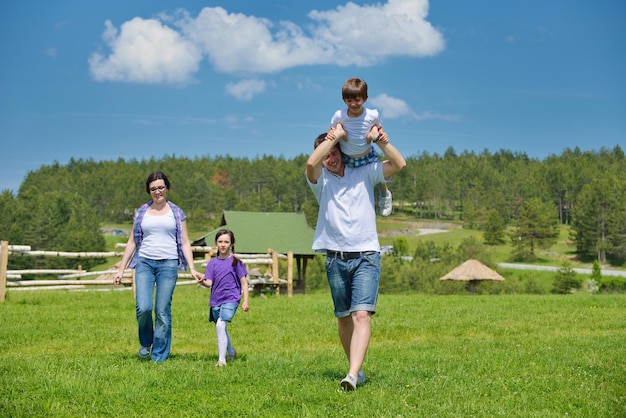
[
  {"x": 348, "y": 383},
  {"x": 360, "y": 379}
]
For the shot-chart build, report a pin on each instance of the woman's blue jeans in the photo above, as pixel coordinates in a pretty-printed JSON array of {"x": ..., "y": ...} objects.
[{"x": 161, "y": 274}]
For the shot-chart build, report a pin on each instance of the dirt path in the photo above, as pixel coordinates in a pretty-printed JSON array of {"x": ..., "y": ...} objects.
[{"x": 421, "y": 228}]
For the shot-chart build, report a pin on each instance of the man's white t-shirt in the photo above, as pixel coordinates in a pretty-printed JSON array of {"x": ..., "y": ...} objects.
[{"x": 347, "y": 220}]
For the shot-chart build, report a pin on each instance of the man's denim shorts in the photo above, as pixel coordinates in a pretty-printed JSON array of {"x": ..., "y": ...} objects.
[{"x": 353, "y": 283}]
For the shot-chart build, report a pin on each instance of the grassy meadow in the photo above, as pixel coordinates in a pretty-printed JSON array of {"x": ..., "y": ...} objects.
[
  {"x": 70, "y": 354},
  {"x": 392, "y": 227},
  {"x": 74, "y": 353}
]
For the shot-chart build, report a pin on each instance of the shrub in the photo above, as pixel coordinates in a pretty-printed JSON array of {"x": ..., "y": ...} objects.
[
  {"x": 613, "y": 285},
  {"x": 400, "y": 247},
  {"x": 533, "y": 286},
  {"x": 590, "y": 286},
  {"x": 565, "y": 281}
]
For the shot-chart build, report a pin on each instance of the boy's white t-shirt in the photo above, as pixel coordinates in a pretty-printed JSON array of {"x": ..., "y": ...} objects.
[{"x": 356, "y": 129}]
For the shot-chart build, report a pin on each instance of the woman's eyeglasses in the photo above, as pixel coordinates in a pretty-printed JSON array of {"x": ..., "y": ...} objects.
[{"x": 159, "y": 188}]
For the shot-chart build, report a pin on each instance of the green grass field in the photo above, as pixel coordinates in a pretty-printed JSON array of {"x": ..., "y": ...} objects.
[
  {"x": 70, "y": 354},
  {"x": 564, "y": 250}
]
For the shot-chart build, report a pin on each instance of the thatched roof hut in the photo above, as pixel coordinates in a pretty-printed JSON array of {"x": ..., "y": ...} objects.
[{"x": 472, "y": 271}]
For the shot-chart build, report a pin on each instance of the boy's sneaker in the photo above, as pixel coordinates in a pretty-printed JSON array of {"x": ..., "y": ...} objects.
[
  {"x": 220, "y": 364},
  {"x": 360, "y": 378},
  {"x": 348, "y": 383},
  {"x": 232, "y": 355},
  {"x": 144, "y": 352},
  {"x": 386, "y": 206}
]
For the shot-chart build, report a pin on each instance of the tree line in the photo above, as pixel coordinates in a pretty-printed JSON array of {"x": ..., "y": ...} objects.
[{"x": 61, "y": 206}]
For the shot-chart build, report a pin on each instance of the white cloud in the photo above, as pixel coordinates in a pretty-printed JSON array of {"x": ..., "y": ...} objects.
[
  {"x": 145, "y": 51},
  {"x": 392, "y": 108},
  {"x": 246, "y": 89},
  {"x": 238, "y": 44},
  {"x": 150, "y": 51},
  {"x": 365, "y": 35},
  {"x": 61, "y": 24},
  {"x": 428, "y": 115}
]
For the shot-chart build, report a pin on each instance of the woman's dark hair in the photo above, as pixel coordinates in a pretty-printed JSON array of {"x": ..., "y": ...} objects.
[
  {"x": 157, "y": 175},
  {"x": 232, "y": 242}
]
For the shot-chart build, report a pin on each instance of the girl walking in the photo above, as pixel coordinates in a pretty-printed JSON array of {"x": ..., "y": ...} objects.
[{"x": 226, "y": 277}]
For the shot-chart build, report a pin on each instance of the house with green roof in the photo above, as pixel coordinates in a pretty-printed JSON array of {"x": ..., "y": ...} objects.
[{"x": 257, "y": 232}]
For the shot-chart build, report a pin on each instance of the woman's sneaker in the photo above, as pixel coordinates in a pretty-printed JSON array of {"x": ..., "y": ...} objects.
[{"x": 144, "y": 352}]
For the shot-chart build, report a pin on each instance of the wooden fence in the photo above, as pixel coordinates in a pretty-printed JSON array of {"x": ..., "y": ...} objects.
[{"x": 75, "y": 278}]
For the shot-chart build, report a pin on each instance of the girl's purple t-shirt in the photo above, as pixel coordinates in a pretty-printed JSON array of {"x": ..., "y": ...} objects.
[{"x": 226, "y": 280}]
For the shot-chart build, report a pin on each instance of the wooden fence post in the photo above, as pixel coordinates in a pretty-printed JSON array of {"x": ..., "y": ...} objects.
[
  {"x": 4, "y": 261},
  {"x": 289, "y": 273},
  {"x": 302, "y": 276},
  {"x": 275, "y": 271}
]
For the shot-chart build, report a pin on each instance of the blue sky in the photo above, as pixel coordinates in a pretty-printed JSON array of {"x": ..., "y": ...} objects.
[{"x": 142, "y": 78}]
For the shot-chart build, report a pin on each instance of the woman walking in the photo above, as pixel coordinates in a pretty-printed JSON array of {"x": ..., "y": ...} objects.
[{"x": 159, "y": 247}]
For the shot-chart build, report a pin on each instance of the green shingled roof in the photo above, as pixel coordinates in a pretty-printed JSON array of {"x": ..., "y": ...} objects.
[{"x": 255, "y": 232}]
